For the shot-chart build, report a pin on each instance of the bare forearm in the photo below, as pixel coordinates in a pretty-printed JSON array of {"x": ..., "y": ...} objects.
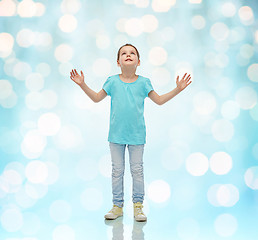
[
  {"x": 181, "y": 85},
  {"x": 168, "y": 96},
  {"x": 90, "y": 93}
]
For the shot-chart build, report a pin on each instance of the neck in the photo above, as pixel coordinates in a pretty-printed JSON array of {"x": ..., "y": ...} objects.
[{"x": 128, "y": 73}]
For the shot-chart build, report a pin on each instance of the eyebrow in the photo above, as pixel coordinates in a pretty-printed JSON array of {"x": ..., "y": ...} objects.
[{"x": 132, "y": 51}]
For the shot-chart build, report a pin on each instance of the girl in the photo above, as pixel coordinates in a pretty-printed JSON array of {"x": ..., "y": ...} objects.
[{"x": 127, "y": 126}]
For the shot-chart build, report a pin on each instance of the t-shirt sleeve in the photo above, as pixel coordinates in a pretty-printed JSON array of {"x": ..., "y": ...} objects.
[
  {"x": 107, "y": 86},
  {"x": 148, "y": 87}
]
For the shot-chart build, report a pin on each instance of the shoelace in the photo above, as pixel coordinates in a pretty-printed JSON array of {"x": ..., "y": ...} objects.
[
  {"x": 139, "y": 210},
  {"x": 114, "y": 209}
]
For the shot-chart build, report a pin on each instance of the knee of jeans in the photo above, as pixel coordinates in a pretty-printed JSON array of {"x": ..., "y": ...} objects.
[
  {"x": 117, "y": 172},
  {"x": 137, "y": 170}
]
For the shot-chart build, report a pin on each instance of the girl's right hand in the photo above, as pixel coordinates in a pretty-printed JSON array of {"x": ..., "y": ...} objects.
[{"x": 77, "y": 78}]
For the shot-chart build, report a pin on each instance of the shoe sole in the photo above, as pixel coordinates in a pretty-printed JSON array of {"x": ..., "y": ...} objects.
[
  {"x": 110, "y": 218},
  {"x": 140, "y": 220}
]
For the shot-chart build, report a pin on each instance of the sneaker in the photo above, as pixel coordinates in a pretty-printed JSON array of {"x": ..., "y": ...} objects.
[
  {"x": 138, "y": 213},
  {"x": 114, "y": 213}
]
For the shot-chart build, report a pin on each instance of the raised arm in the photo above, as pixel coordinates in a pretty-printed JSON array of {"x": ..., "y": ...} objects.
[
  {"x": 79, "y": 79},
  {"x": 181, "y": 85}
]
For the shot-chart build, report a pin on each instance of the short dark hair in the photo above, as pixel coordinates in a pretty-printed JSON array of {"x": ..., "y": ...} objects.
[{"x": 127, "y": 44}]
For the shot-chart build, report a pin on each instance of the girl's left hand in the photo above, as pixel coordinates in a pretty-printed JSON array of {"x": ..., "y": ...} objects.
[{"x": 184, "y": 82}]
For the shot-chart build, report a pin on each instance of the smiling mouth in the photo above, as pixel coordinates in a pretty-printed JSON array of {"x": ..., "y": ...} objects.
[{"x": 128, "y": 60}]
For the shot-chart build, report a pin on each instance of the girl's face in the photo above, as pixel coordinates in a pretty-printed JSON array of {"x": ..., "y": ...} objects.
[{"x": 128, "y": 57}]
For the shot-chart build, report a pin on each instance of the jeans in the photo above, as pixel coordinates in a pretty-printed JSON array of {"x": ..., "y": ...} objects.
[{"x": 118, "y": 166}]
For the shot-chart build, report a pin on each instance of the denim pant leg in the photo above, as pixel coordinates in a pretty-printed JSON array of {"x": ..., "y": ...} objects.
[
  {"x": 136, "y": 165},
  {"x": 118, "y": 166}
]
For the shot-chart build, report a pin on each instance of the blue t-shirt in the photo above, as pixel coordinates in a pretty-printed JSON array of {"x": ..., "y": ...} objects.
[{"x": 127, "y": 125}]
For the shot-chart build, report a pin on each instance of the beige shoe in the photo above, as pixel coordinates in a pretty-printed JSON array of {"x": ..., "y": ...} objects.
[
  {"x": 114, "y": 213},
  {"x": 138, "y": 213}
]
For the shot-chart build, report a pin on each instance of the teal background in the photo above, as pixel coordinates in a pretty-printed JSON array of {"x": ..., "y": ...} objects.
[{"x": 54, "y": 157}]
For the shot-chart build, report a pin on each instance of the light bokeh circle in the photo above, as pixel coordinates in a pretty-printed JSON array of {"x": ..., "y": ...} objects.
[
  {"x": 44, "y": 69},
  {"x": 158, "y": 56},
  {"x": 159, "y": 191},
  {"x": 219, "y": 31},
  {"x": 9, "y": 8},
  {"x": 225, "y": 225},
  {"x": 12, "y": 220},
  {"x": 230, "y": 110},
  {"x": 49, "y": 99},
  {"x": 162, "y": 5},
  {"x": 198, "y": 22},
  {"x": 24, "y": 200},
  {"x": 64, "y": 53},
  {"x": 27, "y": 8},
  {"x": 150, "y": 23},
  {"x": 228, "y": 9},
  {"x": 33, "y": 144},
  {"x": 246, "y": 15},
  {"x": 49, "y": 124},
  {"x": 134, "y": 27},
  {"x": 246, "y": 97},
  {"x": 53, "y": 173},
  {"x": 252, "y": 72},
  {"x": 11, "y": 181},
  {"x": 228, "y": 195},
  {"x": 68, "y": 23},
  {"x": 63, "y": 232},
  {"x": 25, "y": 38},
  {"x": 36, "y": 190},
  {"x": 220, "y": 163},
  {"x": 251, "y": 177},
  {"x": 21, "y": 70},
  {"x": 36, "y": 171},
  {"x": 223, "y": 195},
  {"x": 70, "y": 6},
  {"x": 247, "y": 51},
  {"x": 6, "y": 42},
  {"x": 68, "y": 137},
  {"x": 6, "y": 89},
  {"x": 204, "y": 103},
  {"x": 34, "y": 82},
  {"x": 197, "y": 164}
]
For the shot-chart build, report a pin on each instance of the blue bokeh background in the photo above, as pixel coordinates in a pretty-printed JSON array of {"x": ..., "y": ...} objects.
[{"x": 200, "y": 160}]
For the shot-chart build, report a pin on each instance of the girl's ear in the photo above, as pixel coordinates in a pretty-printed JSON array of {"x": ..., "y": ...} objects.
[
  {"x": 139, "y": 63},
  {"x": 118, "y": 63}
]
